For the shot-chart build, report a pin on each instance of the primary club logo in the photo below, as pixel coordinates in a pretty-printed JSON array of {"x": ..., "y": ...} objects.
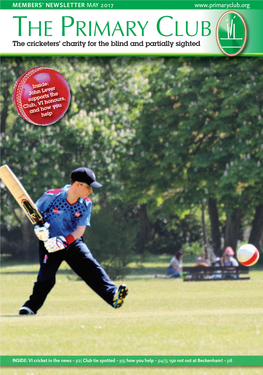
[{"x": 231, "y": 33}]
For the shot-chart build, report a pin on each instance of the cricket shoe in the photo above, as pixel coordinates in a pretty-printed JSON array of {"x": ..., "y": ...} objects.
[
  {"x": 26, "y": 311},
  {"x": 120, "y": 296}
]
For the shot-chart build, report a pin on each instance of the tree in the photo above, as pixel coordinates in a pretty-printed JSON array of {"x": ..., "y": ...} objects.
[
  {"x": 164, "y": 136},
  {"x": 199, "y": 138},
  {"x": 93, "y": 133}
]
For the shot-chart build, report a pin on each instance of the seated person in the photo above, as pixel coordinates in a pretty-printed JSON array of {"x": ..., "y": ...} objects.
[
  {"x": 176, "y": 266},
  {"x": 216, "y": 262},
  {"x": 202, "y": 261},
  {"x": 227, "y": 259}
]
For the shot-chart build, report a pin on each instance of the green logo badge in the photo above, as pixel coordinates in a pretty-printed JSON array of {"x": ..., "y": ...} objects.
[{"x": 231, "y": 33}]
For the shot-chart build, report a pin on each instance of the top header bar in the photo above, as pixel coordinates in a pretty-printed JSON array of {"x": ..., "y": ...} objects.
[{"x": 144, "y": 4}]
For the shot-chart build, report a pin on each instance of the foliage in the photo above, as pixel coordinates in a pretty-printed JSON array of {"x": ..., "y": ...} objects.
[
  {"x": 111, "y": 240},
  {"x": 16, "y": 246},
  {"x": 193, "y": 249},
  {"x": 172, "y": 233},
  {"x": 164, "y": 136},
  {"x": 200, "y": 137}
]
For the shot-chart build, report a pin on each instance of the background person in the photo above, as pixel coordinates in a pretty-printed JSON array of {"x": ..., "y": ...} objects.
[
  {"x": 228, "y": 259},
  {"x": 202, "y": 260},
  {"x": 176, "y": 265}
]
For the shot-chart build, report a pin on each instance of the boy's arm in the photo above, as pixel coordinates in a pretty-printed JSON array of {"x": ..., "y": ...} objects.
[{"x": 76, "y": 234}]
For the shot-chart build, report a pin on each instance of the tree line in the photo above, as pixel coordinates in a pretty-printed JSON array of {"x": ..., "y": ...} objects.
[{"x": 176, "y": 142}]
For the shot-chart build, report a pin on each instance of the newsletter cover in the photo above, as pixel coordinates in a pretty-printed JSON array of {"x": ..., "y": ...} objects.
[{"x": 131, "y": 187}]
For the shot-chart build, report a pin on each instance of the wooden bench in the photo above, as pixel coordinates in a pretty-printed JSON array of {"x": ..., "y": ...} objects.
[{"x": 202, "y": 273}]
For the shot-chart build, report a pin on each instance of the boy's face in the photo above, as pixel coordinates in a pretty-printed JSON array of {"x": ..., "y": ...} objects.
[{"x": 83, "y": 189}]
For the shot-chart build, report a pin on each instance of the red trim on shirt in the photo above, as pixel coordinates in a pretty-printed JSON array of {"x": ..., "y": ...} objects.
[
  {"x": 54, "y": 191},
  {"x": 71, "y": 204}
]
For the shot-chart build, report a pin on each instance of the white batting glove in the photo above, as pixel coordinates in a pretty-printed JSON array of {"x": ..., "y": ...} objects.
[
  {"x": 42, "y": 233},
  {"x": 55, "y": 243}
]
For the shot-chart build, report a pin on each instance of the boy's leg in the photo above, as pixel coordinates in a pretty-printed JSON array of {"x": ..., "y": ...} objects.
[
  {"x": 80, "y": 259},
  {"x": 49, "y": 264}
]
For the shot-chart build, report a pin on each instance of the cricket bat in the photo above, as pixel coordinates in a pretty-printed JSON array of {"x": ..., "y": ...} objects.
[{"x": 19, "y": 193}]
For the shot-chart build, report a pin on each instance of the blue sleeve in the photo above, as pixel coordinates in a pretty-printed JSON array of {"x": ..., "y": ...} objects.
[
  {"x": 85, "y": 218},
  {"x": 43, "y": 202}
]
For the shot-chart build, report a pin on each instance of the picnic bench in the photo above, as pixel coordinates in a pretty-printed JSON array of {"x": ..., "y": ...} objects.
[{"x": 202, "y": 273}]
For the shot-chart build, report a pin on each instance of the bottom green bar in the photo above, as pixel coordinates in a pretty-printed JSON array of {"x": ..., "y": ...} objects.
[{"x": 131, "y": 360}]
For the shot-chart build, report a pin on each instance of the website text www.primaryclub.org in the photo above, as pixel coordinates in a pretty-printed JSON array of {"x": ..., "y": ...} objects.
[{"x": 222, "y": 6}]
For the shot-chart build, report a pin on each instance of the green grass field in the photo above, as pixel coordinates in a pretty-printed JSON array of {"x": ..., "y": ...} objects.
[{"x": 160, "y": 317}]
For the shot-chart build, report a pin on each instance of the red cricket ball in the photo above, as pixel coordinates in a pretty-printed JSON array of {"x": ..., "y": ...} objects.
[{"x": 41, "y": 96}]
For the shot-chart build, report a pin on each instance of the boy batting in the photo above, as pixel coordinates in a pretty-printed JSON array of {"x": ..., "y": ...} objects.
[{"x": 66, "y": 213}]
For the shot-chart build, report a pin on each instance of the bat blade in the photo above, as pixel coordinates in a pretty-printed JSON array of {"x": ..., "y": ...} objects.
[{"x": 20, "y": 194}]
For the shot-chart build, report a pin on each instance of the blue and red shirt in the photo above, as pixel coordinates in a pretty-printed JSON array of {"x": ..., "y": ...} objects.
[{"x": 62, "y": 216}]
